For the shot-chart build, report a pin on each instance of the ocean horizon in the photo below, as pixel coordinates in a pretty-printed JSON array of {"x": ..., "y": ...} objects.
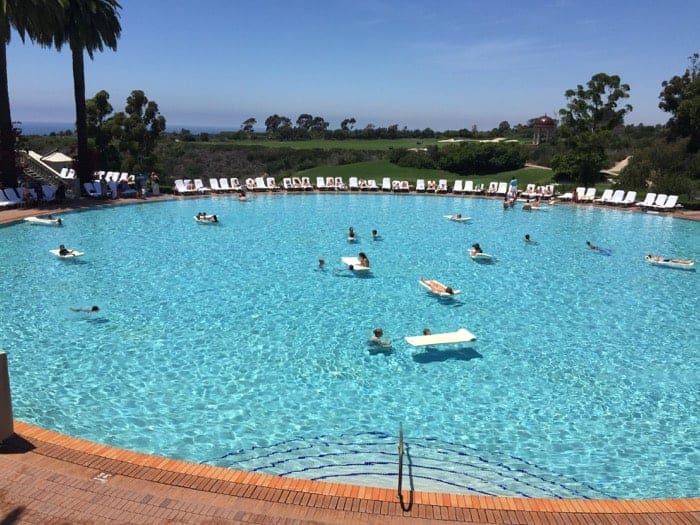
[{"x": 46, "y": 128}]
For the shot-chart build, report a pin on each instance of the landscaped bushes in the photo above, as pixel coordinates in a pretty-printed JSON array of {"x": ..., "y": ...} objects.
[{"x": 467, "y": 158}]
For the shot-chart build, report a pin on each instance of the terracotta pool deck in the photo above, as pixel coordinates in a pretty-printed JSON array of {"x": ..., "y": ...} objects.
[{"x": 50, "y": 478}]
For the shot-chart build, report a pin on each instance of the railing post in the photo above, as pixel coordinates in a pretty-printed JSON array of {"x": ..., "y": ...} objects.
[
  {"x": 400, "y": 485},
  {"x": 6, "y": 425}
]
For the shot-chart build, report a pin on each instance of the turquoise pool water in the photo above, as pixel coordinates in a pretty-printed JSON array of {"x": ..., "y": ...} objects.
[{"x": 224, "y": 344}]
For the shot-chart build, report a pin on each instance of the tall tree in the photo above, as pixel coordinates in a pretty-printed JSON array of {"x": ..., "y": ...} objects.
[
  {"x": 35, "y": 19},
  {"x": 248, "y": 127},
  {"x": 594, "y": 108},
  {"x": 348, "y": 123},
  {"x": 304, "y": 121},
  {"x": 87, "y": 26},
  {"x": 137, "y": 130},
  {"x": 681, "y": 98},
  {"x": 98, "y": 109},
  {"x": 590, "y": 115}
]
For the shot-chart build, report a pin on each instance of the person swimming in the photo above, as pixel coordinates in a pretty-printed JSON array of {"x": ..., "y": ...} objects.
[
  {"x": 376, "y": 338},
  {"x": 91, "y": 310}
]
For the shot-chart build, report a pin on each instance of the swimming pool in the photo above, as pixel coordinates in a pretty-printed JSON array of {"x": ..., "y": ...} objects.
[{"x": 224, "y": 344}]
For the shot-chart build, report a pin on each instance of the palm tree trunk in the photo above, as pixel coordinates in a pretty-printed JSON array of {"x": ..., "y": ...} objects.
[
  {"x": 84, "y": 168},
  {"x": 8, "y": 175}
]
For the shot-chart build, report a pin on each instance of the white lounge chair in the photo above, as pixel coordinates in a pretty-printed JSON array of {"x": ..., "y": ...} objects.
[
  {"x": 502, "y": 188},
  {"x": 236, "y": 184},
  {"x": 260, "y": 184},
  {"x": 287, "y": 183},
  {"x": 353, "y": 184},
  {"x": 648, "y": 200},
  {"x": 182, "y": 187},
  {"x": 214, "y": 185},
  {"x": 660, "y": 201},
  {"x": 420, "y": 185},
  {"x": 223, "y": 185},
  {"x": 386, "y": 184},
  {"x": 468, "y": 186},
  {"x": 457, "y": 187},
  {"x": 617, "y": 197},
  {"x": 321, "y": 184},
  {"x": 442, "y": 186},
  {"x": 529, "y": 192},
  {"x": 605, "y": 197},
  {"x": 372, "y": 185},
  {"x": 330, "y": 183},
  {"x": 200, "y": 187},
  {"x": 306, "y": 184},
  {"x": 493, "y": 187},
  {"x": 671, "y": 203},
  {"x": 272, "y": 184},
  {"x": 589, "y": 196},
  {"x": 404, "y": 186},
  {"x": 629, "y": 198},
  {"x": 250, "y": 184},
  {"x": 296, "y": 183},
  {"x": 566, "y": 196},
  {"x": 340, "y": 184}
]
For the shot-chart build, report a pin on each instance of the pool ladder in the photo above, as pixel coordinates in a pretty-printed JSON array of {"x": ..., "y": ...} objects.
[{"x": 406, "y": 507}]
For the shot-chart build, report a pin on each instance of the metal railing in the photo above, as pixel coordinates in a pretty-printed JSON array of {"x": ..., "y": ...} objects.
[{"x": 404, "y": 506}]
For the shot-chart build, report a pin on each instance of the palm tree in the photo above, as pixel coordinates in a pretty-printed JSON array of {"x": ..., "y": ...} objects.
[
  {"x": 35, "y": 19},
  {"x": 88, "y": 25}
]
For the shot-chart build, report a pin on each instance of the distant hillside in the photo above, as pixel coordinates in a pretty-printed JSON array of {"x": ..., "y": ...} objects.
[{"x": 184, "y": 160}]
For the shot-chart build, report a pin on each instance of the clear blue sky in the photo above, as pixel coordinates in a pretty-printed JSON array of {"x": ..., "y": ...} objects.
[{"x": 448, "y": 64}]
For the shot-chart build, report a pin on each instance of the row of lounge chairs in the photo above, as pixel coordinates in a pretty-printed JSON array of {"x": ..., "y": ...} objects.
[
  {"x": 15, "y": 197},
  {"x": 611, "y": 197},
  {"x": 460, "y": 187},
  {"x": 659, "y": 202},
  {"x": 101, "y": 189},
  {"x": 617, "y": 197}
]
